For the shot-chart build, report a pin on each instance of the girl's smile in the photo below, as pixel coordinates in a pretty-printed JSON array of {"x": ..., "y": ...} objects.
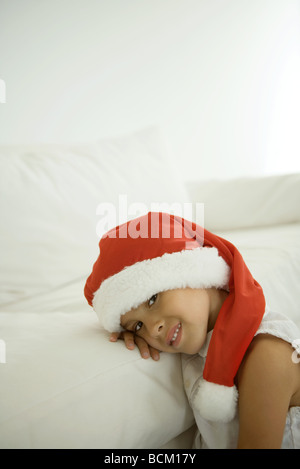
[{"x": 175, "y": 338}]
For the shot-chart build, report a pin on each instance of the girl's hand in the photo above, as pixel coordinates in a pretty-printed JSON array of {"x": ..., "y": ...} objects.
[{"x": 130, "y": 339}]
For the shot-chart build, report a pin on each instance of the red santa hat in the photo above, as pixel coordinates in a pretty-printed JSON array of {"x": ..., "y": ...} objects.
[{"x": 159, "y": 252}]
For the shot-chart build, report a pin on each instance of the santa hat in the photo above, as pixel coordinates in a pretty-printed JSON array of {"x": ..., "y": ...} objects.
[{"x": 159, "y": 252}]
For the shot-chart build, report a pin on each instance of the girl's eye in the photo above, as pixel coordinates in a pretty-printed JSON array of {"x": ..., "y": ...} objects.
[
  {"x": 138, "y": 326},
  {"x": 152, "y": 300}
]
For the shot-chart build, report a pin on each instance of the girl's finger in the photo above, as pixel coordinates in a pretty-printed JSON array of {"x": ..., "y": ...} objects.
[
  {"x": 129, "y": 339},
  {"x": 154, "y": 353},
  {"x": 114, "y": 336},
  {"x": 146, "y": 350}
]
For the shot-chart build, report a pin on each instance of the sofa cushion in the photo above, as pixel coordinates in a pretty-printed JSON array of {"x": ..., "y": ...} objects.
[{"x": 55, "y": 199}]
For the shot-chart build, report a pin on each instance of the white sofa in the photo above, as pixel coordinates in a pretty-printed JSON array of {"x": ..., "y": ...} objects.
[{"x": 63, "y": 384}]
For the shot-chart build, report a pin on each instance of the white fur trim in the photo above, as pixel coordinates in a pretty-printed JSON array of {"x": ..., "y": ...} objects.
[
  {"x": 215, "y": 402},
  {"x": 195, "y": 268}
]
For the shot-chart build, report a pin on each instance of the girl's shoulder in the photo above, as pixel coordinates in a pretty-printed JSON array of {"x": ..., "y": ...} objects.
[
  {"x": 272, "y": 361},
  {"x": 268, "y": 382},
  {"x": 273, "y": 351}
]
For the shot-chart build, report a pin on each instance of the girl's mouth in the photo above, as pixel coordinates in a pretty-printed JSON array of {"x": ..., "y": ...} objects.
[{"x": 175, "y": 335}]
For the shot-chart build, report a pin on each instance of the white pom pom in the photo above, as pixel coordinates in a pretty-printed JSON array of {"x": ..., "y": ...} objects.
[{"x": 215, "y": 402}]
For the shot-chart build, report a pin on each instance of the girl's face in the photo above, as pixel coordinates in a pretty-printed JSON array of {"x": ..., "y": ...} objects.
[{"x": 175, "y": 321}]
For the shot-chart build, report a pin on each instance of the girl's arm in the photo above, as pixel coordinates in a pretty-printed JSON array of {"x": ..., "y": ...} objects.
[{"x": 268, "y": 383}]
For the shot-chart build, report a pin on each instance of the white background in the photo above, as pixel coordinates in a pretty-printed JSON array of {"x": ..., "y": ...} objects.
[{"x": 220, "y": 77}]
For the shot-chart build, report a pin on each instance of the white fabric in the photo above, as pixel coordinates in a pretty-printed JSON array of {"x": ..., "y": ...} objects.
[
  {"x": 219, "y": 435},
  {"x": 49, "y": 196},
  {"x": 273, "y": 257},
  {"x": 248, "y": 202},
  {"x": 64, "y": 385}
]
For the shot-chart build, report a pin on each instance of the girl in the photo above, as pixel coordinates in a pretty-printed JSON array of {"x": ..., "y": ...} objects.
[{"x": 171, "y": 286}]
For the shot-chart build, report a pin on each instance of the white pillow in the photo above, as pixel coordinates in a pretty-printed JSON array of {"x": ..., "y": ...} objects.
[
  {"x": 49, "y": 196},
  {"x": 248, "y": 202},
  {"x": 66, "y": 386}
]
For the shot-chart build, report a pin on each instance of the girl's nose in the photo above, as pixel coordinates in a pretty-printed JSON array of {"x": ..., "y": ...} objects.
[{"x": 155, "y": 327}]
